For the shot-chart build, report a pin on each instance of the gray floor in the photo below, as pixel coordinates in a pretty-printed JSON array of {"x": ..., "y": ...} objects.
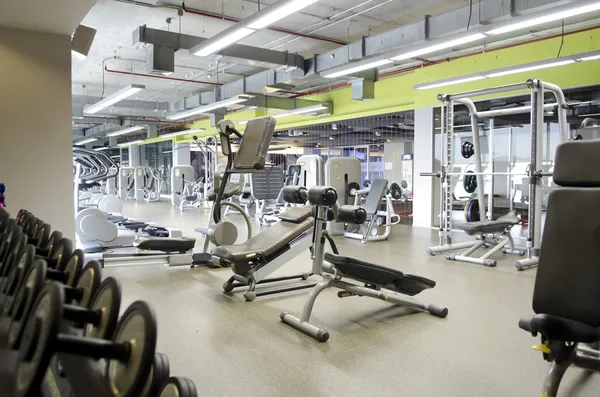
[{"x": 230, "y": 347}]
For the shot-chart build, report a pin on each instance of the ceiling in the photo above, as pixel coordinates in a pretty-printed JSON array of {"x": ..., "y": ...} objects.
[
  {"x": 113, "y": 61},
  {"x": 50, "y": 16},
  {"x": 116, "y": 20}
]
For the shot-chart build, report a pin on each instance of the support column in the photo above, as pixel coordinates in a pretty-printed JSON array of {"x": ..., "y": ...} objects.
[
  {"x": 181, "y": 154},
  {"x": 425, "y": 208},
  {"x": 134, "y": 156},
  {"x": 36, "y": 162}
]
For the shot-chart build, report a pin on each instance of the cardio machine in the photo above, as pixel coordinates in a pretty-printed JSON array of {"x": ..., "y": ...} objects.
[
  {"x": 258, "y": 257},
  {"x": 377, "y": 281}
]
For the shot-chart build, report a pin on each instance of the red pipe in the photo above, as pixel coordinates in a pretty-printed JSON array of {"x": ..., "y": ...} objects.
[
  {"x": 280, "y": 30},
  {"x": 152, "y": 76}
]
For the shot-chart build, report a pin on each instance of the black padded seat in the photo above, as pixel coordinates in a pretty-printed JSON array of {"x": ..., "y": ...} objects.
[
  {"x": 491, "y": 227},
  {"x": 265, "y": 244},
  {"x": 296, "y": 214},
  {"x": 182, "y": 244},
  {"x": 371, "y": 273},
  {"x": 116, "y": 218},
  {"x": 560, "y": 329},
  {"x": 134, "y": 225},
  {"x": 229, "y": 192}
]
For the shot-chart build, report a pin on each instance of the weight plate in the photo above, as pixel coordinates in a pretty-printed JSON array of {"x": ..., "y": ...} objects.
[
  {"x": 16, "y": 276},
  {"x": 472, "y": 211},
  {"x": 52, "y": 241},
  {"x": 23, "y": 302},
  {"x": 61, "y": 253},
  {"x": 8, "y": 239},
  {"x": 12, "y": 256},
  {"x": 179, "y": 387},
  {"x": 43, "y": 235},
  {"x": 107, "y": 300},
  {"x": 403, "y": 184},
  {"x": 350, "y": 187},
  {"x": 467, "y": 150},
  {"x": 88, "y": 283},
  {"x": 73, "y": 268},
  {"x": 367, "y": 183},
  {"x": 138, "y": 328},
  {"x": 470, "y": 182},
  {"x": 39, "y": 336},
  {"x": 159, "y": 374},
  {"x": 395, "y": 191}
]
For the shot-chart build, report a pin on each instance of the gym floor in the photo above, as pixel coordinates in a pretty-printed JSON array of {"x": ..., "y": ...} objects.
[{"x": 231, "y": 347}]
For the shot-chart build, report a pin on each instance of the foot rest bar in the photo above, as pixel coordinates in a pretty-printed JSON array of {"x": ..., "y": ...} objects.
[
  {"x": 527, "y": 263},
  {"x": 468, "y": 259},
  {"x": 283, "y": 290},
  {"x": 307, "y": 328},
  {"x": 440, "y": 249}
]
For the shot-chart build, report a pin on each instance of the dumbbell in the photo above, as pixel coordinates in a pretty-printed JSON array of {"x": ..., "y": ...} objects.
[
  {"x": 47, "y": 249},
  {"x": 12, "y": 233},
  {"x": 179, "y": 387},
  {"x": 81, "y": 294},
  {"x": 352, "y": 188},
  {"x": 128, "y": 355},
  {"x": 159, "y": 374},
  {"x": 68, "y": 275}
]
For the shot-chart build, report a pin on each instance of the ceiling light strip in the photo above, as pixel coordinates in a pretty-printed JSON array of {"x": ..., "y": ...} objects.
[
  {"x": 85, "y": 141},
  {"x": 124, "y": 144},
  {"x": 208, "y": 108},
  {"x": 177, "y": 133},
  {"x": 250, "y": 25},
  {"x": 589, "y": 56},
  {"x": 114, "y": 98},
  {"x": 126, "y": 130}
]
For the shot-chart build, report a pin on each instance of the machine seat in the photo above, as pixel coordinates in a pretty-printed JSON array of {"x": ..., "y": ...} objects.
[
  {"x": 265, "y": 244},
  {"x": 560, "y": 328},
  {"x": 229, "y": 192},
  {"x": 296, "y": 214},
  {"x": 116, "y": 218},
  {"x": 371, "y": 273},
  {"x": 491, "y": 227},
  {"x": 182, "y": 244},
  {"x": 134, "y": 225}
]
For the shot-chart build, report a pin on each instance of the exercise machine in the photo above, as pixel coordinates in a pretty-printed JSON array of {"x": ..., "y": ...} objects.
[
  {"x": 255, "y": 259},
  {"x": 182, "y": 180},
  {"x": 375, "y": 193},
  {"x": 494, "y": 234},
  {"x": 347, "y": 274},
  {"x": 311, "y": 170},
  {"x": 566, "y": 291},
  {"x": 265, "y": 187},
  {"x": 342, "y": 174}
]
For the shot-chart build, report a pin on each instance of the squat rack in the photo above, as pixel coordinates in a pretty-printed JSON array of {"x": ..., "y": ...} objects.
[{"x": 537, "y": 90}]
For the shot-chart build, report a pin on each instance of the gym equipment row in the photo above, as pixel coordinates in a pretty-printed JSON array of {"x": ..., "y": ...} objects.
[
  {"x": 493, "y": 234},
  {"x": 60, "y": 327}
]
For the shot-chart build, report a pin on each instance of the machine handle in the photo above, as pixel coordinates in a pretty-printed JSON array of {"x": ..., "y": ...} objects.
[{"x": 436, "y": 174}]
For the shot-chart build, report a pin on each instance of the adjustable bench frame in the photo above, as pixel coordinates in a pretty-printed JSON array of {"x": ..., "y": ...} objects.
[
  {"x": 495, "y": 243},
  {"x": 332, "y": 278},
  {"x": 259, "y": 274}
]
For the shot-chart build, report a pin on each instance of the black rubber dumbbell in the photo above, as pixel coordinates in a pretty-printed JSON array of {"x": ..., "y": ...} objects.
[
  {"x": 179, "y": 387},
  {"x": 128, "y": 355}
]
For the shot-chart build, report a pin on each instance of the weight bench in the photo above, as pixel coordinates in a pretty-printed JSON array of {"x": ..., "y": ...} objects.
[
  {"x": 567, "y": 285},
  {"x": 378, "y": 281},
  {"x": 258, "y": 257},
  {"x": 490, "y": 234}
]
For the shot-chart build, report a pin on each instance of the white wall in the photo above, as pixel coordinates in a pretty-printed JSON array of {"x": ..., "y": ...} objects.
[
  {"x": 423, "y": 162},
  {"x": 35, "y": 109}
]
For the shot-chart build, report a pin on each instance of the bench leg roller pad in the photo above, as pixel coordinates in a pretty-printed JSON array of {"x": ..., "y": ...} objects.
[{"x": 303, "y": 326}]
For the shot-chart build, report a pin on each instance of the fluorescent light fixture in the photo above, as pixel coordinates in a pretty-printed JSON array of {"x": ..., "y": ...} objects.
[
  {"x": 449, "y": 82},
  {"x": 438, "y": 47},
  {"x": 210, "y": 47},
  {"x": 177, "y": 133},
  {"x": 124, "y": 144},
  {"x": 529, "y": 68},
  {"x": 101, "y": 148},
  {"x": 555, "y": 16},
  {"x": 116, "y": 156},
  {"x": 84, "y": 141},
  {"x": 590, "y": 58},
  {"x": 280, "y": 12},
  {"x": 358, "y": 68},
  {"x": 208, "y": 108},
  {"x": 126, "y": 130},
  {"x": 308, "y": 109},
  {"x": 114, "y": 98}
]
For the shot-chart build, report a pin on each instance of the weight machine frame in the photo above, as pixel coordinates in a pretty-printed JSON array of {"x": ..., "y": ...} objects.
[{"x": 537, "y": 90}]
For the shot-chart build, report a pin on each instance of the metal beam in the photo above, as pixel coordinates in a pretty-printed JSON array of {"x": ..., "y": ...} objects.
[{"x": 268, "y": 58}]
